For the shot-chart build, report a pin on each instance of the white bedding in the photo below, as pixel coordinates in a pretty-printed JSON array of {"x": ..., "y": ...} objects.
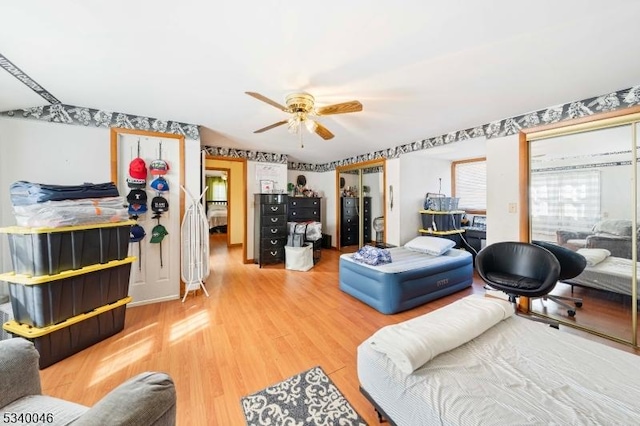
[
  {"x": 612, "y": 274},
  {"x": 403, "y": 259},
  {"x": 519, "y": 372},
  {"x": 217, "y": 216}
]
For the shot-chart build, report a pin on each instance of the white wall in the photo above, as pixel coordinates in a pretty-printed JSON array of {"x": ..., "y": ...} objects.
[
  {"x": 502, "y": 189},
  {"x": 419, "y": 174},
  {"x": 253, "y": 187}
]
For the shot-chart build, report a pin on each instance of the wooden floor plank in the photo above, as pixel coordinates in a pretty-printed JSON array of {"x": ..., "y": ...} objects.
[{"x": 259, "y": 326}]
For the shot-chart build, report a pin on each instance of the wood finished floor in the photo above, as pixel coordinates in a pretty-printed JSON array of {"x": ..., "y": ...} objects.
[{"x": 258, "y": 327}]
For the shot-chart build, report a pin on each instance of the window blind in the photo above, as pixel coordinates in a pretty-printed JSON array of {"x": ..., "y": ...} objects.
[{"x": 471, "y": 185}]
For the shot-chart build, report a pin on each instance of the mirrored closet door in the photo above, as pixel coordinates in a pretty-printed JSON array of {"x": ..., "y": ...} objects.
[
  {"x": 583, "y": 195},
  {"x": 360, "y": 206}
]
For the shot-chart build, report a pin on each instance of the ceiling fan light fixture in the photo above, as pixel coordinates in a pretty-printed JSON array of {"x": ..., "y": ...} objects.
[
  {"x": 301, "y": 107},
  {"x": 311, "y": 125}
]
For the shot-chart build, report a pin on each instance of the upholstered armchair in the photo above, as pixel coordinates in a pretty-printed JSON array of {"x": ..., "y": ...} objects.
[
  {"x": 613, "y": 235},
  {"x": 146, "y": 399}
]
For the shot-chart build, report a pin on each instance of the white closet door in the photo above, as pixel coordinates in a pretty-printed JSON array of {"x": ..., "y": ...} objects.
[{"x": 153, "y": 281}]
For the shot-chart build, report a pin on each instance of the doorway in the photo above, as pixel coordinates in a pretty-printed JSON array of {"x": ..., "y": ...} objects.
[{"x": 234, "y": 206}]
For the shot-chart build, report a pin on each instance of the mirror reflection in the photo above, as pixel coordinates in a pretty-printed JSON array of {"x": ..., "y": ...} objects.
[
  {"x": 361, "y": 206},
  {"x": 582, "y": 198}
]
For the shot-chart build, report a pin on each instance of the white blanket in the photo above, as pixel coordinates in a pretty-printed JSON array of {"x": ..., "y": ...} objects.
[{"x": 413, "y": 343}]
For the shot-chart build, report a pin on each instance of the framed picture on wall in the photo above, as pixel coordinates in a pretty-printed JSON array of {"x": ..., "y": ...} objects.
[{"x": 266, "y": 186}]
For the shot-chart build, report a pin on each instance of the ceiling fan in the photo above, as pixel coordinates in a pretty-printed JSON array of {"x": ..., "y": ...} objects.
[{"x": 301, "y": 108}]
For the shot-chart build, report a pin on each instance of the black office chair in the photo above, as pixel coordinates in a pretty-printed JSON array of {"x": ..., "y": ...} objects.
[
  {"x": 519, "y": 269},
  {"x": 571, "y": 265}
]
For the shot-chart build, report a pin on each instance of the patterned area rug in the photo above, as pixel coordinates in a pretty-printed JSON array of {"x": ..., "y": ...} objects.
[{"x": 306, "y": 399}]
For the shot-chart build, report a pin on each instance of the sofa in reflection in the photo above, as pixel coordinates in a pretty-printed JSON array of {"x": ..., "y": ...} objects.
[{"x": 614, "y": 235}]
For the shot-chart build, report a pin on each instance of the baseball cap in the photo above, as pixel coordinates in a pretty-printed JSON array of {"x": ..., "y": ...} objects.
[
  {"x": 158, "y": 233},
  {"x": 136, "y": 233},
  {"x": 138, "y": 168},
  {"x": 136, "y": 183},
  {"x": 159, "y": 204},
  {"x": 160, "y": 184},
  {"x": 137, "y": 196},
  {"x": 158, "y": 167},
  {"x": 137, "y": 209}
]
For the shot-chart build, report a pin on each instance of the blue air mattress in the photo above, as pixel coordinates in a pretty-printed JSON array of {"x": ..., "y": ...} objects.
[{"x": 411, "y": 279}]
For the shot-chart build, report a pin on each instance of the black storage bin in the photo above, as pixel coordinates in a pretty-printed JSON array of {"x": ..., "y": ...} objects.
[
  {"x": 46, "y": 300},
  {"x": 49, "y": 251},
  {"x": 444, "y": 221},
  {"x": 326, "y": 241},
  {"x": 57, "y": 342}
]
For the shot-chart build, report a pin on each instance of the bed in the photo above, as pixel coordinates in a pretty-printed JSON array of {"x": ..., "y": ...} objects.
[
  {"x": 217, "y": 214},
  {"x": 410, "y": 280},
  {"x": 517, "y": 372},
  {"x": 612, "y": 274}
]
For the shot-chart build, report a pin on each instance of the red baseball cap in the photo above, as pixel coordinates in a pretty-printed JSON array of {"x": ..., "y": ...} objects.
[{"x": 138, "y": 168}]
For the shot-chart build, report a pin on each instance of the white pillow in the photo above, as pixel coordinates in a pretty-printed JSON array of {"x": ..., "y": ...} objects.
[
  {"x": 430, "y": 245},
  {"x": 413, "y": 343},
  {"x": 594, "y": 255}
]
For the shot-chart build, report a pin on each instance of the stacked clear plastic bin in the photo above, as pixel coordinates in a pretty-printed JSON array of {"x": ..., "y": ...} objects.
[{"x": 69, "y": 287}]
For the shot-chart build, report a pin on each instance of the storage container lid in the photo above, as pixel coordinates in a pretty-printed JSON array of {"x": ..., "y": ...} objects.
[
  {"x": 25, "y": 330},
  {"x": 12, "y": 277},
  {"x": 27, "y": 230}
]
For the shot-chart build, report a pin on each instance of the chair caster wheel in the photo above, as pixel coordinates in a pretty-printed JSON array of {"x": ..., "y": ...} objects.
[
  {"x": 578, "y": 304},
  {"x": 571, "y": 313}
]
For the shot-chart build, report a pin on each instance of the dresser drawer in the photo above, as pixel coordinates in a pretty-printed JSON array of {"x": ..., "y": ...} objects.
[
  {"x": 349, "y": 239},
  {"x": 274, "y": 221},
  {"x": 273, "y": 231},
  {"x": 351, "y": 220},
  {"x": 274, "y": 209},
  {"x": 272, "y": 255},
  {"x": 297, "y": 202},
  {"x": 304, "y": 213},
  {"x": 350, "y": 212},
  {"x": 273, "y": 243},
  {"x": 273, "y": 198},
  {"x": 349, "y": 202}
]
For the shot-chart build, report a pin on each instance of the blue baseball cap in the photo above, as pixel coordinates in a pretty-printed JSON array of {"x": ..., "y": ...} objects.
[
  {"x": 160, "y": 184},
  {"x": 136, "y": 233}
]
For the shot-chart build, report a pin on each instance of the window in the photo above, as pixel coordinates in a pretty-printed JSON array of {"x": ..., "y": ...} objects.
[
  {"x": 567, "y": 199},
  {"x": 216, "y": 188},
  {"x": 469, "y": 182}
]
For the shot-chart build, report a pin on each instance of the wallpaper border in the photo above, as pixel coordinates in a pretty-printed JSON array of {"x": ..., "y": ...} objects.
[{"x": 82, "y": 116}]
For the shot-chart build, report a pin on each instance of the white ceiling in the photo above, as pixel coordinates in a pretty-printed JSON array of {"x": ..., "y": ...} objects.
[{"x": 421, "y": 68}]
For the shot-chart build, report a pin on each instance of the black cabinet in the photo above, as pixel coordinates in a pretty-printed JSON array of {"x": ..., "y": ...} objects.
[
  {"x": 270, "y": 228},
  {"x": 306, "y": 209},
  {"x": 349, "y": 220}
]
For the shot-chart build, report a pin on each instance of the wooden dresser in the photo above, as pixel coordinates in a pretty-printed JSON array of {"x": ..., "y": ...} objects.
[{"x": 270, "y": 228}]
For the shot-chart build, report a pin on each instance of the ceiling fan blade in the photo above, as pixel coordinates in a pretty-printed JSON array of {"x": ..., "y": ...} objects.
[
  {"x": 323, "y": 132},
  {"x": 342, "y": 108},
  {"x": 267, "y": 100},
  {"x": 264, "y": 129}
]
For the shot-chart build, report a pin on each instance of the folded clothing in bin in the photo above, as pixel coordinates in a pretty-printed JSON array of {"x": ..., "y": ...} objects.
[
  {"x": 55, "y": 214},
  {"x": 25, "y": 193}
]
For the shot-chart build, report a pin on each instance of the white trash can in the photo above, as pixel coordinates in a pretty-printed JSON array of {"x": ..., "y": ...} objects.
[{"x": 298, "y": 258}]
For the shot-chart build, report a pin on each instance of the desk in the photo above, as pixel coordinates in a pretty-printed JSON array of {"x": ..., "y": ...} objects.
[{"x": 476, "y": 236}]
